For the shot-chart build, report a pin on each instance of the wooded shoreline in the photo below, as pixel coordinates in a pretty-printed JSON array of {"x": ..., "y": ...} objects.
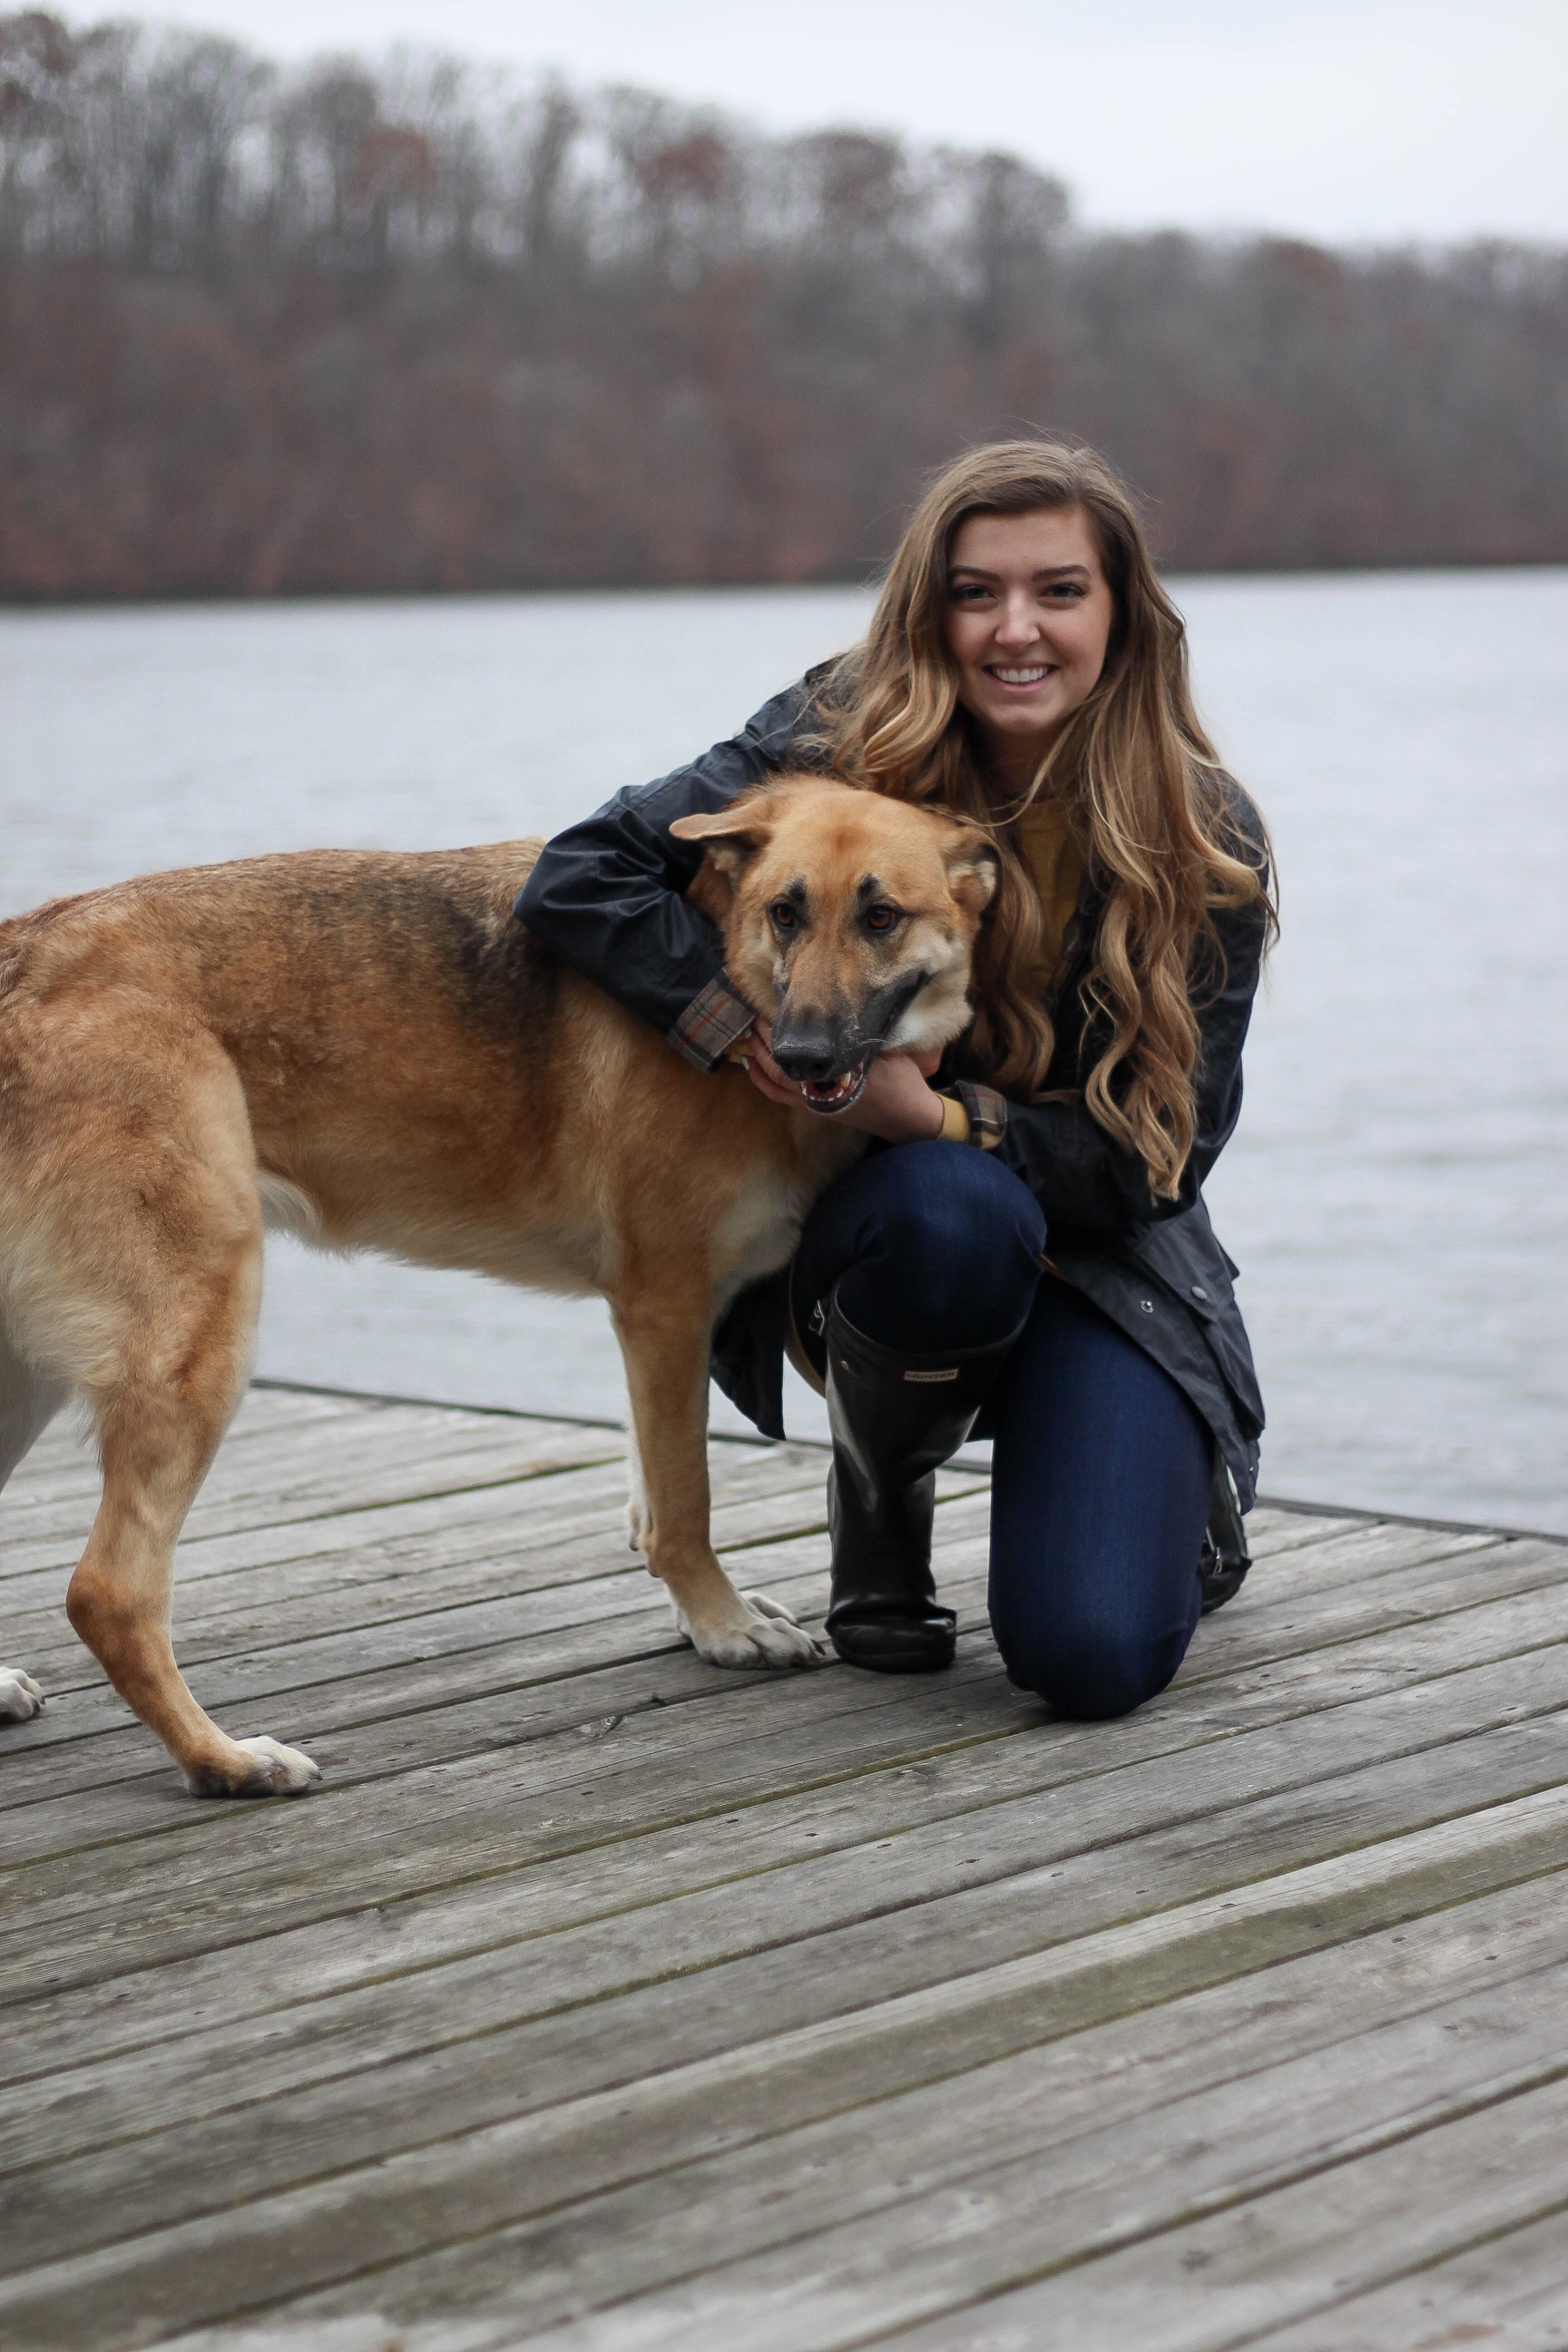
[{"x": 414, "y": 327}]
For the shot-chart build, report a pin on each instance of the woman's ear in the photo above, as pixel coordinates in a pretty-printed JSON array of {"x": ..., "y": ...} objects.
[{"x": 974, "y": 870}]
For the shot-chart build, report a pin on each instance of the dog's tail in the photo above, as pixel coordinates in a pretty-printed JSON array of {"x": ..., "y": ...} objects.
[{"x": 287, "y": 1208}]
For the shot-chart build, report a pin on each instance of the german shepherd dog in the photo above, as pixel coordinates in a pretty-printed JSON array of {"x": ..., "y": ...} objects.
[{"x": 369, "y": 1051}]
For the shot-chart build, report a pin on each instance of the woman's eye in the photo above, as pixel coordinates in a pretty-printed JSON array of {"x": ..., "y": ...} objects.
[
  {"x": 783, "y": 913},
  {"x": 881, "y": 918}
]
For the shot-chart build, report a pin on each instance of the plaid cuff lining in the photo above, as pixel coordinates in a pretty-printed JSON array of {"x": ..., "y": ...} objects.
[
  {"x": 710, "y": 1024},
  {"x": 987, "y": 1114}
]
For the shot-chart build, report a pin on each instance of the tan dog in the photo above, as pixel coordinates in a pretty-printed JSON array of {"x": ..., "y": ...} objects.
[{"x": 370, "y": 1050}]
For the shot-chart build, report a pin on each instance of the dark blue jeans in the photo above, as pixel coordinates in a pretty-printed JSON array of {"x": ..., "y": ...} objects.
[{"x": 1101, "y": 1472}]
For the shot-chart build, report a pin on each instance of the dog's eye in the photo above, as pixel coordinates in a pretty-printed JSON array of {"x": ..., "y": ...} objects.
[
  {"x": 783, "y": 914},
  {"x": 881, "y": 918}
]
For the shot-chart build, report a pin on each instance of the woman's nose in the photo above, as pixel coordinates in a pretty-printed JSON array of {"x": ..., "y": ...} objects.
[{"x": 1017, "y": 626}]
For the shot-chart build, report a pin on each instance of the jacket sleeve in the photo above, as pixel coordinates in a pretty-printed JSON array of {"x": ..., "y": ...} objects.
[
  {"x": 1083, "y": 1179},
  {"x": 607, "y": 895}
]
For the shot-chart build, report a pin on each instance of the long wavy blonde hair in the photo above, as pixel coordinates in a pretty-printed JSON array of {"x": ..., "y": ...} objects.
[{"x": 1159, "y": 839}]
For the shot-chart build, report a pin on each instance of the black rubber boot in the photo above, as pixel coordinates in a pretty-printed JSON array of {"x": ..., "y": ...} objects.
[{"x": 895, "y": 1418}]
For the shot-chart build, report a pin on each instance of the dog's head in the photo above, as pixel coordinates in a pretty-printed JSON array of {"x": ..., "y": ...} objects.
[{"x": 847, "y": 919}]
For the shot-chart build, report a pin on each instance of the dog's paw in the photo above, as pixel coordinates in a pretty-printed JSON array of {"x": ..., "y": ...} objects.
[
  {"x": 765, "y": 1633},
  {"x": 20, "y": 1696},
  {"x": 271, "y": 1770}
]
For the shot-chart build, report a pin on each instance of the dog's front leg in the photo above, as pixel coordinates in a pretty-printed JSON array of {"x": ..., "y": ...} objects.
[{"x": 664, "y": 1343}]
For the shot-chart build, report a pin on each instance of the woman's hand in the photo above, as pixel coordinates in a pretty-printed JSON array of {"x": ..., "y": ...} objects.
[{"x": 896, "y": 1102}]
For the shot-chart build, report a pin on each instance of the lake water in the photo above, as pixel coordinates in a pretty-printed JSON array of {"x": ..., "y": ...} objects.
[{"x": 1396, "y": 1193}]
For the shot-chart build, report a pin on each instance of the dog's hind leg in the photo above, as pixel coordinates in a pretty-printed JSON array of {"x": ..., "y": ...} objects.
[
  {"x": 29, "y": 1401},
  {"x": 150, "y": 1234},
  {"x": 664, "y": 1337},
  {"x": 158, "y": 1430}
]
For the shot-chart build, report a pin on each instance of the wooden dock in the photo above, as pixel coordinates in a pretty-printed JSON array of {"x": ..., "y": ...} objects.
[{"x": 600, "y": 1999}]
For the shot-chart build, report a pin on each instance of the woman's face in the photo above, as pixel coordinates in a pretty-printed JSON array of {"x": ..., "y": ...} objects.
[{"x": 1029, "y": 616}]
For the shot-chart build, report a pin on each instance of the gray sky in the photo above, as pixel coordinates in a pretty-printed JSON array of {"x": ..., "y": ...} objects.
[{"x": 1340, "y": 119}]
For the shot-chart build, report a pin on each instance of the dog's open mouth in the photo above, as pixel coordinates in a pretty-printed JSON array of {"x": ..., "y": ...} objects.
[{"x": 836, "y": 1094}]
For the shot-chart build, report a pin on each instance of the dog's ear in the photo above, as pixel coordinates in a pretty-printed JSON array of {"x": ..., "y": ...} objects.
[
  {"x": 744, "y": 824},
  {"x": 731, "y": 838},
  {"x": 974, "y": 870}
]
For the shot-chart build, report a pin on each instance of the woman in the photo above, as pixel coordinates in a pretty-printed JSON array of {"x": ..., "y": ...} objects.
[{"x": 1027, "y": 1234}]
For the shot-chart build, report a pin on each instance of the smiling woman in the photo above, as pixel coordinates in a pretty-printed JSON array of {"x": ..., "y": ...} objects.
[{"x": 1055, "y": 1280}]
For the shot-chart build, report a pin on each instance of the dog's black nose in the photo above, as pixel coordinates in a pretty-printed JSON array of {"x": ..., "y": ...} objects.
[{"x": 809, "y": 1050}]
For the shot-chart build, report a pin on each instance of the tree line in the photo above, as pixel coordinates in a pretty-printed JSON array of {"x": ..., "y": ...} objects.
[{"x": 418, "y": 325}]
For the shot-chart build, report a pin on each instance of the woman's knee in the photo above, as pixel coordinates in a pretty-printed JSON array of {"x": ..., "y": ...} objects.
[
  {"x": 964, "y": 1234},
  {"x": 946, "y": 1193},
  {"x": 1090, "y": 1666}
]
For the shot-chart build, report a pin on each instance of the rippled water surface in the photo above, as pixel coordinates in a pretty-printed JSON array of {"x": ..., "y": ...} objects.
[{"x": 1396, "y": 1193}]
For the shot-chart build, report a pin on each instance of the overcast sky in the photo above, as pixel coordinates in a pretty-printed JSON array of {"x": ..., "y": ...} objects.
[{"x": 1333, "y": 119}]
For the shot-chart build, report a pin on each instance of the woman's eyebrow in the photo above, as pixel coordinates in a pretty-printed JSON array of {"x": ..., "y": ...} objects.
[{"x": 1046, "y": 572}]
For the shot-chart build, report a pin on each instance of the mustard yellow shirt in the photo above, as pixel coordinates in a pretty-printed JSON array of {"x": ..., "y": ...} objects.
[
  {"x": 1050, "y": 849},
  {"x": 1053, "y": 856}
]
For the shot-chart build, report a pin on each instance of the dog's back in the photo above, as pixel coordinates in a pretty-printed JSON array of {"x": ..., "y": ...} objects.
[
  {"x": 355, "y": 997},
  {"x": 279, "y": 940}
]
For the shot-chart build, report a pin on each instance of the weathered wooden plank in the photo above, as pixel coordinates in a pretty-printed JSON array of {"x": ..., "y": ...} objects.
[
  {"x": 1225, "y": 2280},
  {"x": 410, "y": 1670},
  {"x": 1278, "y": 1530},
  {"x": 278, "y": 2244},
  {"x": 1511, "y": 2291},
  {"x": 267, "y": 1675},
  {"x": 548, "y": 1442},
  {"x": 397, "y": 1455},
  {"x": 67, "y": 1440},
  {"x": 35, "y": 1575},
  {"x": 514, "y": 1652},
  {"x": 493, "y": 1702},
  {"x": 423, "y": 1526},
  {"x": 711, "y": 1759},
  {"x": 250, "y": 1461},
  {"x": 336, "y": 1540},
  {"x": 588, "y": 1536},
  {"x": 876, "y": 1792},
  {"x": 259, "y": 1536},
  {"x": 1110, "y": 1986},
  {"x": 476, "y": 2044},
  {"x": 548, "y": 1529},
  {"x": 662, "y": 1764},
  {"x": 638, "y": 1588},
  {"x": 798, "y": 1902},
  {"x": 1518, "y": 2275},
  {"x": 539, "y": 1662},
  {"x": 1361, "y": 1555},
  {"x": 495, "y": 1668},
  {"x": 1045, "y": 2167}
]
